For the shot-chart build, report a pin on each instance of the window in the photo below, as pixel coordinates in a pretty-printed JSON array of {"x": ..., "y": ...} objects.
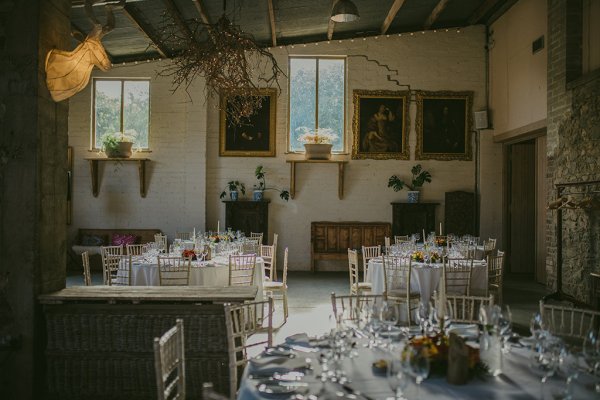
[
  {"x": 317, "y": 98},
  {"x": 121, "y": 106}
]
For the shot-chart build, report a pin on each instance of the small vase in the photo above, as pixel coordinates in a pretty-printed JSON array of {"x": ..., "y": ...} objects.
[
  {"x": 317, "y": 151},
  {"x": 233, "y": 195},
  {"x": 257, "y": 195},
  {"x": 413, "y": 196}
]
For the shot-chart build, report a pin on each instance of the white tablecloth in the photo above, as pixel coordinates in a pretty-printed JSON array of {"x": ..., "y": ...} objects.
[
  {"x": 425, "y": 278},
  {"x": 144, "y": 272}
]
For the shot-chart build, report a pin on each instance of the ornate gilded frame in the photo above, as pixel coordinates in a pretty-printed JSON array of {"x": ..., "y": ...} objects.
[
  {"x": 363, "y": 102},
  {"x": 226, "y": 149},
  {"x": 461, "y": 104}
]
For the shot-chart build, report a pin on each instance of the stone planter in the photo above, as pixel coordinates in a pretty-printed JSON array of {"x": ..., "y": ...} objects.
[
  {"x": 123, "y": 150},
  {"x": 317, "y": 151},
  {"x": 413, "y": 196}
]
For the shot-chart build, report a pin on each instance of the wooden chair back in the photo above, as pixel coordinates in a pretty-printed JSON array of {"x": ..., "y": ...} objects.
[
  {"x": 349, "y": 307},
  {"x": 117, "y": 270},
  {"x": 183, "y": 235},
  {"x": 241, "y": 269},
  {"x": 87, "y": 276},
  {"x": 257, "y": 235},
  {"x": 568, "y": 321},
  {"x": 267, "y": 253},
  {"x": 369, "y": 252},
  {"x": 161, "y": 242},
  {"x": 169, "y": 363},
  {"x": 495, "y": 268},
  {"x": 401, "y": 239},
  {"x": 174, "y": 271},
  {"x": 251, "y": 246},
  {"x": 353, "y": 270},
  {"x": 457, "y": 275},
  {"x": 136, "y": 249},
  {"x": 285, "y": 267},
  {"x": 397, "y": 273},
  {"x": 465, "y": 309}
]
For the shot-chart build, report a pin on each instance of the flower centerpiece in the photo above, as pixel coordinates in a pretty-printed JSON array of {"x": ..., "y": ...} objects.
[
  {"x": 419, "y": 177},
  {"x": 441, "y": 241},
  {"x": 117, "y": 144},
  {"x": 189, "y": 254},
  {"x": 317, "y": 143},
  {"x": 435, "y": 257},
  {"x": 418, "y": 256}
]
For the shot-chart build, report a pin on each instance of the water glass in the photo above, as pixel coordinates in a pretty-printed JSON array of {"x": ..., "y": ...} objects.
[
  {"x": 418, "y": 361},
  {"x": 397, "y": 375}
]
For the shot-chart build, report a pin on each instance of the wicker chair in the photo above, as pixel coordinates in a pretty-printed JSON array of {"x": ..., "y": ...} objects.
[
  {"x": 369, "y": 252},
  {"x": 269, "y": 256},
  {"x": 161, "y": 242},
  {"x": 169, "y": 363},
  {"x": 465, "y": 309},
  {"x": 397, "y": 272},
  {"x": 242, "y": 321},
  {"x": 241, "y": 269},
  {"x": 356, "y": 286},
  {"x": 183, "y": 235},
  {"x": 401, "y": 239},
  {"x": 495, "y": 267},
  {"x": 87, "y": 277},
  {"x": 174, "y": 271},
  {"x": 568, "y": 321},
  {"x": 457, "y": 276},
  {"x": 349, "y": 306},
  {"x": 136, "y": 249},
  {"x": 279, "y": 288}
]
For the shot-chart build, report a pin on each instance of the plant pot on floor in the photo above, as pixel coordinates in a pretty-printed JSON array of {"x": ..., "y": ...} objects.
[
  {"x": 122, "y": 150},
  {"x": 317, "y": 151},
  {"x": 413, "y": 196}
]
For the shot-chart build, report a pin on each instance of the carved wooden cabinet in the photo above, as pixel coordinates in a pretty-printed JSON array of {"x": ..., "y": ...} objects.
[
  {"x": 409, "y": 218},
  {"x": 459, "y": 213},
  {"x": 248, "y": 216}
]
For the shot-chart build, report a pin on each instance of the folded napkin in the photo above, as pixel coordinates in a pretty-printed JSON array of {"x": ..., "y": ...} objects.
[
  {"x": 467, "y": 331},
  {"x": 267, "y": 366}
]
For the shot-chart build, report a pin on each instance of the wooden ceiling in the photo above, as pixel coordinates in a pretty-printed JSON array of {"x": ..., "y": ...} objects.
[{"x": 138, "y": 32}]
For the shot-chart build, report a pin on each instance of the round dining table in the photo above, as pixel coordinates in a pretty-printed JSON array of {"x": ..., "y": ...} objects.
[
  {"x": 425, "y": 278},
  {"x": 215, "y": 273}
]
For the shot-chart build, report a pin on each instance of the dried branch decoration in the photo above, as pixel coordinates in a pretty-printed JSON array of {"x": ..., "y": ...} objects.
[{"x": 229, "y": 59}]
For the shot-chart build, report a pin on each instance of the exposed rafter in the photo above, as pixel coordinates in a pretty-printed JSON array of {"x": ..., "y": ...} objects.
[
  {"x": 437, "y": 10},
  {"x": 391, "y": 15},
  {"x": 203, "y": 14},
  {"x": 482, "y": 10},
  {"x": 176, "y": 15},
  {"x": 272, "y": 20},
  {"x": 331, "y": 24},
  {"x": 133, "y": 15}
]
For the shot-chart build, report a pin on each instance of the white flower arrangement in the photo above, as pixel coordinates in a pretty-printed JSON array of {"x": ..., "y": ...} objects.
[{"x": 320, "y": 135}]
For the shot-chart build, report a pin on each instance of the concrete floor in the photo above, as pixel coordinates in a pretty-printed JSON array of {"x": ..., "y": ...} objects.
[{"x": 310, "y": 305}]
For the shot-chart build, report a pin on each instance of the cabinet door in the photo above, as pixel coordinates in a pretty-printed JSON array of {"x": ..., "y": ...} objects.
[{"x": 248, "y": 217}]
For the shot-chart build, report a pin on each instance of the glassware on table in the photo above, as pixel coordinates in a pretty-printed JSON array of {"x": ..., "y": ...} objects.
[
  {"x": 569, "y": 365},
  {"x": 423, "y": 314},
  {"x": 397, "y": 374},
  {"x": 505, "y": 328},
  {"x": 536, "y": 326},
  {"x": 418, "y": 362},
  {"x": 545, "y": 358}
]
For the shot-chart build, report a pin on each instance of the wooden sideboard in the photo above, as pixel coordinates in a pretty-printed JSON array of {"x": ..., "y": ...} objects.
[
  {"x": 331, "y": 240},
  {"x": 248, "y": 216},
  {"x": 409, "y": 218}
]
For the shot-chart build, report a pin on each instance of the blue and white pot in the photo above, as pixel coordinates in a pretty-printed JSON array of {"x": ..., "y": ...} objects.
[
  {"x": 257, "y": 195},
  {"x": 233, "y": 195},
  {"x": 413, "y": 196}
]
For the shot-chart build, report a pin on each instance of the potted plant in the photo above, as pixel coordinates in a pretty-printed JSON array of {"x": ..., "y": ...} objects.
[
  {"x": 419, "y": 177},
  {"x": 259, "y": 189},
  {"x": 317, "y": 143},
  {"x": 233, "y": 187},
  {"x": 117, "y": 145}
]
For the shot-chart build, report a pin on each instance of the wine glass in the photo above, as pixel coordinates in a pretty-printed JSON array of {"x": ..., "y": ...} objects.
[
  {"x": 505, "y": 328},
  {"x": 546, "y": 359},
  {"x": 397, "y": 376},
  {"x": 389, "y": 318},
  {"x": 591, "y": 349},
  {"x": 424, "y": 317},
  {"x": 536, "y": 326},
  {"x": 418, "y": 361},
  {"x": 568, "y": 364}
]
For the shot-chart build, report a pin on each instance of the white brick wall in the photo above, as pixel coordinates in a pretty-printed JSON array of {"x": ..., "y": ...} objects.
[
  {"x": 187, "y": 174},
  {"x": 176, "y": 175}
]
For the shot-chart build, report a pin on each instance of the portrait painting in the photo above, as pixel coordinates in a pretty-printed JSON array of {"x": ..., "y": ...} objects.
[
  {"x": 380, "y": 125},
  {"x": 444, "y": 125},
  {"x": 252, "y": 136}
]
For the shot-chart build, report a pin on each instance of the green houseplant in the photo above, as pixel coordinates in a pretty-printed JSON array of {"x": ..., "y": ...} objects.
[
  {"x": 117, "y": 144},
  {"x": 419, "y": 177},
  {"x": 260, "y": 173},
  {"x": 234, "y": 187}
]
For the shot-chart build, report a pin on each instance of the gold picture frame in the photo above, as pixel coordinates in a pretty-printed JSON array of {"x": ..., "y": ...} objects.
[
  {"x": 380, "y": 125},
  {"x": 443, "y": 125},
  {"x": 255, "y": 135}
]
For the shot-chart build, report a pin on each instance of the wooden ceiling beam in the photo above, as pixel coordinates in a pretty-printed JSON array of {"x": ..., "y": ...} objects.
[
  {"x": 202, "y": 11},
  {"x": 482, "y": 10},
  {"x": 146, "y": 29},
  {"x": 272, "y": 21},
  {"x": 437, "y": 10},
  {"x": 391, "y": 15},
  {"x": 331, "y": 24},
  {"x": 174, "y": 12}
]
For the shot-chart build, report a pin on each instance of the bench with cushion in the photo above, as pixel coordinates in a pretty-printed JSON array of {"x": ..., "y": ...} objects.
[
  {"x": 331, "y": 240},
  {"x": 92, "y": 240}
]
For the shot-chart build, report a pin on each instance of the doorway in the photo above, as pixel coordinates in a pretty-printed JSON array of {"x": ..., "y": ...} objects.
[{"x": 525, "y": 208}]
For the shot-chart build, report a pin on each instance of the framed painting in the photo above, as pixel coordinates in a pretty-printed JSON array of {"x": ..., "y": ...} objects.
[
  {"x": 444, "y": 125},
  {"x": 253, "y": 136},
  {"x": 380, "y": 125}
]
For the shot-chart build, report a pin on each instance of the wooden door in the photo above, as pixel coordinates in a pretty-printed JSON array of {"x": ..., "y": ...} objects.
[{"x": 522, "y": 215}]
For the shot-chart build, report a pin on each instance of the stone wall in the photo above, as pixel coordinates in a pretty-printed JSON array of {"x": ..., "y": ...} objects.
[{"x": 573, "y": 147}]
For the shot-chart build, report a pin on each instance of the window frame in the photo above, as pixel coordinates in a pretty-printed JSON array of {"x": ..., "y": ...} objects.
[
  {"x": 317, "y": 58},
  {"x": 122, "y": 80}
]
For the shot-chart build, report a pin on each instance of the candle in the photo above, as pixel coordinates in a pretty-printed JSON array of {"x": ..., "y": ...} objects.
[
  {"x": 218, "y": 227},
  {"x": 194, "y": 234},
  {"x": 423, "y": 235},
  {"x": 440, "y": 229}
]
